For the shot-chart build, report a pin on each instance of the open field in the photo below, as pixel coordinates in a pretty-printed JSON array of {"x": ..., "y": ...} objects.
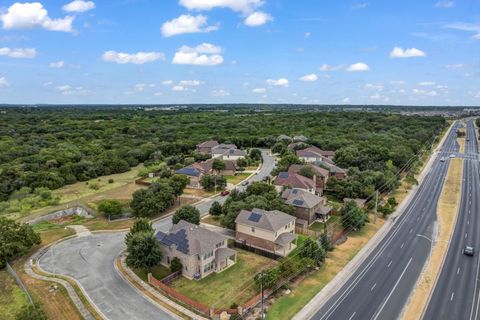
[
  {"x": 448, "y": 205},
  {"x": 12, "y": 298},
  {"x": 287, "y": 306},
  {"x": 236, "y": 179},
  {"x": 234, "y": 285}
]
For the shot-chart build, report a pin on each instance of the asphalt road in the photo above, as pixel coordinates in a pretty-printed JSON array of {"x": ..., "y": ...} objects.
[
  {"x": 456, "y": 293},
  {"x": 90, "y": 260},
  {"x": 380, "y": 287}
]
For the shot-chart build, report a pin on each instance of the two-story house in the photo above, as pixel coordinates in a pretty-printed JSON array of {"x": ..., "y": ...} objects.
[
  {"x": 321, "y": 175},
  {"x": 200, "y": 250},
  {"x": 196, "y": 170},
  {"x": 227, "y": 152},
  {"x": 295, "y": 180},
  {"x": 308, "y": 207},
  {"x": 206, "y": 147},
  {"x": 271, "y": 231}
]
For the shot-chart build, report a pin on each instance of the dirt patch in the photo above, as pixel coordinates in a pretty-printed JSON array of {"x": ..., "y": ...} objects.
[{"x": 447, "y": 211}]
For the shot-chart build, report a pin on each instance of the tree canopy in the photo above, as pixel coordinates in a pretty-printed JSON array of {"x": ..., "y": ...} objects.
[
  {"x": 15, "y": 239},
  {"x": 188, "y": 213}
]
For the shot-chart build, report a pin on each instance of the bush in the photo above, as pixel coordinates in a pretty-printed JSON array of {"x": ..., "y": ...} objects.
[
  {"x": 31, "y": 312},
  {"x": 216, "y": 209},
  {"x": 176, "y": 265},
  {"x": 111, "y": 180},
  {"x": 188, "y": 213},
  {"x": 110, "y": 207},
  {"x": 143, "y": 251},
  {"x": 94, "y": 186}
]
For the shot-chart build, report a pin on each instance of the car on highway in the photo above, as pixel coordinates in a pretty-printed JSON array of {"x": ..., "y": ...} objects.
[
  {"x": 245, "y": 183},
  {"x": 225, "y": 193},
  {"x": 468, "y": 251},
  {"x": 442, "y": 159},
  {"x": 452, "y": 156}
]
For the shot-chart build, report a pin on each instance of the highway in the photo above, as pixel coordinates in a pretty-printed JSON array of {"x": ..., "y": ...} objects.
[
  {"x": 90, "y": 260},
  {"x": 456, "y": 294},
  {"x": 380, "y": 287}
]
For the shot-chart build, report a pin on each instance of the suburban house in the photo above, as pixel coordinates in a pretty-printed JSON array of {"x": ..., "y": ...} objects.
[
  {"x": 297, "y": 145},
  {"x": 271, "y": 231},
  {"x": 313, "y": 154},
  {"x": 334, "y": 170},
  {"x": 308, "y": 207},
  {"x": 197, "y": 169},
  {"x": 295, "y": 180},
  {"x": 200, "y": 250},
  {"x": 206, "y": 147},
  {"x": 321, "y": 175},
  {"x": 227, "y": 152}
]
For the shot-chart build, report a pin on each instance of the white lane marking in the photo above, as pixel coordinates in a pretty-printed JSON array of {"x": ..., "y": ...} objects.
[
  {"x": 410, "y": 230},
  {"x": 468, "y": 222},
  {"x": 373, "y": 287},
  {"x": 402, "y": 245},
  {"x": 353, "y": 315},
  {"x": 390, "y": 263},
  {"x": 451, "y": 297},
  {"x": 458, "y": 270},
  {"x": 377, "y": 313},
  {"x": 418, "y": 219},
  {"x": 465, "y": 235}
]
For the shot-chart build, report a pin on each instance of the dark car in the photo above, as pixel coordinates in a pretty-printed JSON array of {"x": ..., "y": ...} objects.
[
  {"x": 225, "y": 193},
  {"x": 468, "y": 251},
  {"x": 245, "y": 183}
]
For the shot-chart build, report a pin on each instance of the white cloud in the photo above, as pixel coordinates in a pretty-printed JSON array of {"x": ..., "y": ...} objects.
[
  {"x": 444, "y": 4},
  {"x": 179, "y": 88},
  {"x": 309, "y": 77},
  {"x": 374, "y": 86},
  {"x": 307, "y": 34},
  {"x": 33, "y": 15},
  {"x": 69, "y": 90},
  {"x": 220, "y": 93},
  {"x": 259, "y": 90},
  {"x": 378, "y": 96},
  {"x": 326, "y": 67},
  {"x": 398, "y": 52},
  {"x": 79, "y": 6},
  {"x": 359, "y": 66},
  {"x": 140, "y": 87},
  {"x": 167, "y": 82},
  {"x": 397, "y": 82},
  {"x": 57, "y": 65},
  {"x": 192, "y": 83},
  {"x": 205, "y": 54},
  {"x": 136, "y": 58},
  {"x": 462, "y": 26},
  {"x": 360, "y": 5},
  {"x": 27, "y": 53},
  {"x": 456, "y": 66},
  {"x": 431, "y": 93},
  {"x": 4, "y": 82},
  {"x": 257, "y": 18},
  {"x": 282, "y": 82},
  {"x": 346, "y": 100},
  {"x": 157, "y": 94},
  {"x": 244, "y": 6},
  {"x": 426, "y": 83},
  {"x": 186, "y": 24}
]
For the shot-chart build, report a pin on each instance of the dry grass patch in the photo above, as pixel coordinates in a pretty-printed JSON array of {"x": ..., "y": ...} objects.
[
  {"x": 302, "y": 292},
  {"x": 447, "y": 210},
  {"x": 216, "y": 221},
  {"x": 12, "y": 298}
]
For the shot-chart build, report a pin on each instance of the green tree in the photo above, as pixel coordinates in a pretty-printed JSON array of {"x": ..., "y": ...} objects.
[
  {"x": 141, "y": 225},
  {"x": 188, "y": 213},
  {"x": 31, "y": 312},
  {"x": 260, "y": 188},
  {"x": 270, "y": 278},
  {"x": 16, "y": 239},
  {"x": 110, "y": 207},
  {"x": 176, "y": 265},
  {"x": 210, "y": 182},
  {"x": 242, "y": 163},
  {"x": 143, "y": 251},
  {"x": 326, "y": 242},
  {"x": 156, "y": 199},
  {"x": 178, "y": 182},
  {"x": 255, "y": 154},
  {"x": 310, "y": 249},
  {"x": 279, "y": 148},
  {"x": 307, "y": 171},
  {"x": 353, "y": 217},
  {"x": 218, "y": 165},
  {"x": 215, "y": 209}
]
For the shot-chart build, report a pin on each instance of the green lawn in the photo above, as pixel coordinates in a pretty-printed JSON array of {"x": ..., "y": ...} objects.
[
  {"x": 234, "y": 285},
  {"x": 12, "y": 298},
  {"x": 159, "y": 272},
  {"x": 317, "y": 226},
  {"x": 216, "y": 221},
  {"x": 237, "y": 178}
]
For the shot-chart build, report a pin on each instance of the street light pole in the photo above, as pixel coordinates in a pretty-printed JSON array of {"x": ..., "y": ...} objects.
[{"x": 261, "y": 301}]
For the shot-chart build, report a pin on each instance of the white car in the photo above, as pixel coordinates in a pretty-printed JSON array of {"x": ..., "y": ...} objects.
[
  {"x": 452, "y": 156},
  {"x": 442, "y": 159}
]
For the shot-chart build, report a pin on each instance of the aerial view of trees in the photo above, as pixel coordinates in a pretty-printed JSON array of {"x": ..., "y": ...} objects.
[
  {"x": 50, "y": 147},
  {"x": 15, "y": 240}
]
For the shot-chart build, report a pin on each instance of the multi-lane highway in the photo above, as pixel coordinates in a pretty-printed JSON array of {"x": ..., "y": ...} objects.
[
  {"x": 90, "y": 260},
  {"x": 456, "y": 294},
  {"x": 380, "y": 287}
]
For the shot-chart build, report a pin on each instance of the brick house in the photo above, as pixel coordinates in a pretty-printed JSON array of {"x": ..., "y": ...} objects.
[
  {"x": 196, "y": 170},
  {"x": 308, "y": 207},
  {"x": 321, "y": 175},
  {"x": 313, "y": 154},
  {"x": 200, "y": 250},
  {"x": 206, "y": 147},
  {"x": 294, "y": 180},
  {"x": 271, "y": 231}
]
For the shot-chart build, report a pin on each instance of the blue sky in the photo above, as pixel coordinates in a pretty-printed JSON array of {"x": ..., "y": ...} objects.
[{"x": 235, "y": 51}]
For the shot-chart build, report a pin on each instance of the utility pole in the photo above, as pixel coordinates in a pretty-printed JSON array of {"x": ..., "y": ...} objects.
[
  {"x": 261, "y": 299},
  {"x": 375, "y": 211}
]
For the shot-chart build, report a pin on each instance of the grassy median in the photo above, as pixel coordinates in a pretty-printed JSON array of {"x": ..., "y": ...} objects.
[{"x": 447, "y": 210}]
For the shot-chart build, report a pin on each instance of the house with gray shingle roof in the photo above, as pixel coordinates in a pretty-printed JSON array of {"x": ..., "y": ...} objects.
[
  {"x": 271, "y": 231},
  {"x": 196, "y": 170},
  {"x": 227, "y": 152},
  {"x": 294, "y": 180},
  {"x": 206, "y": 147},
  {"x": 308, "y": 207},
  {"x": 200, "y": 250}
]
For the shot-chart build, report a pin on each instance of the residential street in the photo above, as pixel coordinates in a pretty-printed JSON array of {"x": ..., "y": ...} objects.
[
  {"x": 456, "y": 294},
  {"x": 90, "y": 260},
  {"x": 380, "y": 287}
]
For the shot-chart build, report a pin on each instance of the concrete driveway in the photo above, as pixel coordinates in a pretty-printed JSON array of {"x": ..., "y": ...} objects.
[{"x": 90, "y": 260}]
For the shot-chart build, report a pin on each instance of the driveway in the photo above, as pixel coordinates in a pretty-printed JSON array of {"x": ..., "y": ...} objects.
[{"x": 90, "y": 260}]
